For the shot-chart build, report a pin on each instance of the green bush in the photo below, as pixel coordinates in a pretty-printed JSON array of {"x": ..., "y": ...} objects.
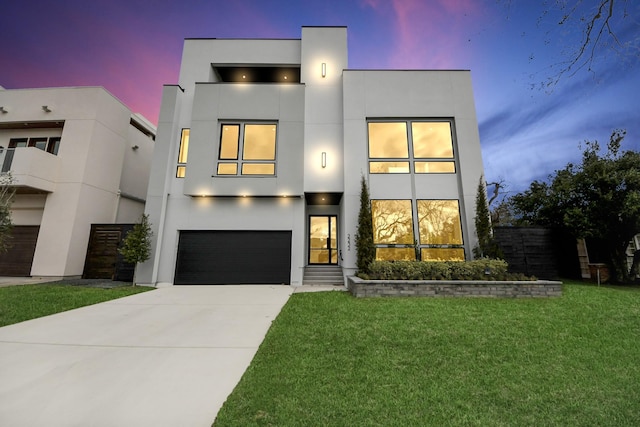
[{"x": 480, "y": 269}]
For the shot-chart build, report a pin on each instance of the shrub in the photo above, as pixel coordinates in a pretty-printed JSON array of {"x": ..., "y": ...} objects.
[{"x": 480, "y": 269}]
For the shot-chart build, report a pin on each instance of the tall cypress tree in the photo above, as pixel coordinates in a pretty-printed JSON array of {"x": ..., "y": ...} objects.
[
  {"x": 366, "y": 252},
  {"x": 486, "y": 245}
]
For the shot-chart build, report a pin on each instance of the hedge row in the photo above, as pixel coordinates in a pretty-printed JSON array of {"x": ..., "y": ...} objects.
[{"x": 481, "y": 269}]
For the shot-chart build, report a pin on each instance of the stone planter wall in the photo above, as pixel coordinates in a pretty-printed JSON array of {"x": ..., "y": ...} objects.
[{"x": 453, "y": 288}]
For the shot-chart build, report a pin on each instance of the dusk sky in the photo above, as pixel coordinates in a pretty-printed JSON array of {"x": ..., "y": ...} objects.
[{"x": 133, "y": 47}]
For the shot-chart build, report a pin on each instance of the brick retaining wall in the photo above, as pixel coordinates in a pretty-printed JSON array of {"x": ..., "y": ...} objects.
[{"x": 453, "y": 288}]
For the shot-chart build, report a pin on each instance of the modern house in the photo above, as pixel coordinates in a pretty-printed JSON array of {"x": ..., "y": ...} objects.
[
  {"x": 260, "y": 152},
  {"x": 78, "y": 157}
]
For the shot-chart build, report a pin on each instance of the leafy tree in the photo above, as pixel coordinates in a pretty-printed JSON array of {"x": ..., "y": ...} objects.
[
  {"x": 366, "y": 251},
  {"x": 6, "y": 198},
  {"x": 136, "y": 246},
  {"x": 599, "y": 198}
]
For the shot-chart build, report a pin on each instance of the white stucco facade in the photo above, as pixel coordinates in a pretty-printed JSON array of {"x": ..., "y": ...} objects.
[
  {"x": 321, "y": 110},
  {"x": 97, "y": 172}
]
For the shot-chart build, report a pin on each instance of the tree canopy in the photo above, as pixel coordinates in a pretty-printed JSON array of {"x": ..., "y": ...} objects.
[
  {"x": 136, "y": 246},
  {"x": 598, "y": 198}
]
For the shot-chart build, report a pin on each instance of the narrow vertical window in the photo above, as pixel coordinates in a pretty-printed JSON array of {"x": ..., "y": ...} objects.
[
  {"x": 229, "y": 142},
  {"x": 183, "y": 153}
]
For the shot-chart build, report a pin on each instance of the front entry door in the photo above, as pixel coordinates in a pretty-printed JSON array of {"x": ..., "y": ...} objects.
[{"x": 323, "y": 239}]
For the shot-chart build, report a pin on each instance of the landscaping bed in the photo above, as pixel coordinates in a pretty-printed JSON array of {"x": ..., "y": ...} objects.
[
  {"x": 454, "y": 288},
  {"x": 478, "y": 278}
]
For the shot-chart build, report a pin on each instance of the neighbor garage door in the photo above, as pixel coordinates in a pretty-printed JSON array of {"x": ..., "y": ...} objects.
[
  {"x": 233, "y": 257},
  {"x": 22, "y": 246}
]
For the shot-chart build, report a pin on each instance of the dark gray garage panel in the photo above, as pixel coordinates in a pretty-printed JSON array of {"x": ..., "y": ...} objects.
[{"x": 233, "y": 257}]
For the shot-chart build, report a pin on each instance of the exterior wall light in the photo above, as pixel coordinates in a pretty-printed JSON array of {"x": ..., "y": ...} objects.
[
  {"x": 324, "y": 159},
  {"x": 324, "y": 69},
  {"x": 3, "y": 110},
  {"x": 46, "y": 109}
]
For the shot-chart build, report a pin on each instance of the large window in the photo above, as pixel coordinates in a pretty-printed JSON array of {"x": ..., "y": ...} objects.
[
  {"x": 183, "y": 152},
  {"x": 440, "y": 230},
  {"x": 439, "y": 236},
  {"x": 398, "y": 146},
  {"x": 247, "y": 148},
  {"x": 393, "y": 229}
]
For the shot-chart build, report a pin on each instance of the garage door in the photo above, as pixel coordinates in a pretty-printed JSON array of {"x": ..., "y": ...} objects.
[
  {"x": 233, "y": 257},
  {"x": 18, "y": 259}
]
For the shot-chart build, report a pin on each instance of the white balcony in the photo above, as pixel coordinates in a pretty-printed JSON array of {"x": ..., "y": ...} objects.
[{"x": 33, "y": 170}]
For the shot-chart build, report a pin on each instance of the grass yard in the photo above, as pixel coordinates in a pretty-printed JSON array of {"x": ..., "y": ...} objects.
[
  {"x": 333, "y": 360},
  {"x": 24, "y": 302}
]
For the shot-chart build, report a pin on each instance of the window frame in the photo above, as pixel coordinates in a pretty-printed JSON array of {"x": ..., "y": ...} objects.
[
  {"x": 240, "y": 160},
  {"x": 411, "y": 158},
  {"x": 418, "y": 246},
  {"x": 51, "y": 143},
  {"x": 393, "y": 246},
  {"x": 448, "y": 246},
  {"x": 181, "y": 168}
]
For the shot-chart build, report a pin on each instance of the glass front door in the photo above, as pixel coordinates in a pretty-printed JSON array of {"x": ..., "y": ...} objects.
[{"x": 323, "y": 239}]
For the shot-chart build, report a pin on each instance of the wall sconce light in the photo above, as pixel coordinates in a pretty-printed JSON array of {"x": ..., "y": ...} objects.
[
  {"x": 3, "y": 110},
  {"x": 46, "y": 109},
  {"x": 324, "y": 159},
  {"x": 324, "y": 69}
]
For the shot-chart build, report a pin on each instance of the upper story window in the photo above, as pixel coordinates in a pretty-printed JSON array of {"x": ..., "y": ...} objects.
[
  {"x": 247, "y": 149},
  {"x": 49, "y": 144},
  {"x": 399, "y": 146},
  {"x": 183, "y": 152}
]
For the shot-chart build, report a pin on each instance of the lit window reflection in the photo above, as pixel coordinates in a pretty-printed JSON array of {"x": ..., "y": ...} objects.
[
  {"x": 388, "y": 140},
  {"x": 439, "y": 222},
  {"x": 392, "y": 222}
]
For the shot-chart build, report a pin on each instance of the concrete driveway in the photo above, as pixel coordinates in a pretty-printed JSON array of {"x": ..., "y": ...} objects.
[{"x": 168, "y": 357}]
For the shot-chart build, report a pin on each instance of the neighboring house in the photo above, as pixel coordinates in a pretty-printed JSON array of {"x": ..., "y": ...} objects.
[
  {"x": 78, "y": 157},
  {"x": 261, "y": 148}
]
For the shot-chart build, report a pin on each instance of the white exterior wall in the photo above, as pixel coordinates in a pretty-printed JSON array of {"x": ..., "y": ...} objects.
[
  {"x": 83, "y": 180},
  {"x": 27, "y": 209},
  {"x": 321, "y": 114},
  {"x": 410, "y": 95},
  {"x": 323, "y": 106},
  {"x": 175, "y": 204}
]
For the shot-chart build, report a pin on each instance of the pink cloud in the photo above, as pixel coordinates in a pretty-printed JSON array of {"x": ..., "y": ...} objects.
[{"x": 429, "y": 34}]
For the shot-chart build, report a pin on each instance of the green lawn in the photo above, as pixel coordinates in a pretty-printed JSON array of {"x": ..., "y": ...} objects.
[
  {"x": 24, "y": 302},
  {"x": 333, "y": 360}
]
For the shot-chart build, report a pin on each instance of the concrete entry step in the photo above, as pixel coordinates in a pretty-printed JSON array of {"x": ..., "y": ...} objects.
[{"x": 323, "y": 275}]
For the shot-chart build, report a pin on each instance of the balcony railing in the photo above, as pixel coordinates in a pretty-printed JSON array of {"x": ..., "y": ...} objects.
[{"x": 31, "y": 168}]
